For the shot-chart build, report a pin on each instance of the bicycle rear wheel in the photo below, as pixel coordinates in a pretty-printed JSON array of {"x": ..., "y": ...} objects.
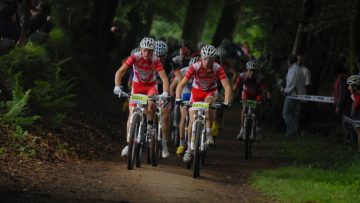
[
  {"x": 247, "y": 142},
  {"x": 196, "y": 162},
  {"x": 134, "y": 128}
]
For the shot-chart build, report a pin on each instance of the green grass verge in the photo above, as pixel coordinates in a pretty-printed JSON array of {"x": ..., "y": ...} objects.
[{"x": 319, "y": 170}]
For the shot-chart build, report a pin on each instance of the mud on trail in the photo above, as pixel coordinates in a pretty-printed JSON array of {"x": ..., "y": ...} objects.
[{"x": 224, "y": 178}]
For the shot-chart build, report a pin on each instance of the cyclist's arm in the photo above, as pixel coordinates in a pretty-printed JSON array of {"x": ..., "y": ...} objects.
[
  {"x": 178, "y": 75},
  {"x": 180, "y": 87},
  {"x": 164, "y": 80},
  {"x": 228, "y": 90},
  {"x": 120, "y": 74},
  {"x": 173, "y": 87}
]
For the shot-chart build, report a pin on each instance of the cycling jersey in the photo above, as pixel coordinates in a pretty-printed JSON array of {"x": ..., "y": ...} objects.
[
  {"x": 169, "y": 67},
  {"x": 188, "y": 86},
  {"x": 205, "y": 78},
  {"x": 252, "y": 87},
  {"x": 144, "y": 70}
]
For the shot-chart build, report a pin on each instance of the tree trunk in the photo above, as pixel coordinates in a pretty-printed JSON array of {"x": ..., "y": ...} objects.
[
  {"x": 195, "y": 20},
  {"x": 228, "y": 20},
  {"x": 103, "y": 16},
  {"x": 301, "y": 34},
  {"x": 140, "y": 18},
  {"x": 355, "y": 34}
]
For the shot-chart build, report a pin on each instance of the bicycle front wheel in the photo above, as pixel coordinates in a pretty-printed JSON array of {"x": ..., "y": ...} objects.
[
  {"x": 134, "y": 129},
  {"x": 196, "y": 162}
]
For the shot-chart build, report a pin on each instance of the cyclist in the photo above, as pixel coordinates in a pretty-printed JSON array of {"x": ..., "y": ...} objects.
[
  {"x": 161, "y": 51},
  {"x": 252, "y": 87},
  {"x": 354, "y": 87},
  {"x": 185, "y": 95},
  {"x": 145, "y": 64},
  {"x": 204, "y": 88}
]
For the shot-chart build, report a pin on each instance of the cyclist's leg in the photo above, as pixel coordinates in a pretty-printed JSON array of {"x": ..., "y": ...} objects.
[
  {"x": 210, "y": 98},
  {"x": 187, "y": 155},
  {"x": 165, "y": 118},
  {"x": 183, "y": 114}
]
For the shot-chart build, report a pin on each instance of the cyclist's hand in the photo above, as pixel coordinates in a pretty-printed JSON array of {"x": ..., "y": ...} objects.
[
  {"x": 178, "y": 101},
  {"x": 118, "y": 90}
]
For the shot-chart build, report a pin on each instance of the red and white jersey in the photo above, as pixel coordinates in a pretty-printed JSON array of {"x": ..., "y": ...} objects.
[
  {"x": 205, "y": 78},
  {"x": 143, "y": 70}
]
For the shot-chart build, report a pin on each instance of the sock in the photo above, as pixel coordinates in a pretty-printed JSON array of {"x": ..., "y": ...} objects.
[
  {"x": 182, "y": 142},
  {"x": 208, "y": 131},
  {"x": 164, "y": 144}
]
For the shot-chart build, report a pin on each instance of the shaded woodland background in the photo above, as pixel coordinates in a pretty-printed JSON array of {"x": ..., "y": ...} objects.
[{"x": 71, "y": 73}]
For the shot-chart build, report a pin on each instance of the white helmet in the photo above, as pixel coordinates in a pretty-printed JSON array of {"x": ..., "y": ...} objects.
[
  {"x": 221, "y": 52},
  {"x": 137, "y": 49},
  {"x": 161, "y": 48},
  {"x": 208, "y": 51},
  {"x": 354, "y": 80},
  {"x": 194, "y": 60},
  {"x": 147, "y": 43},
  {"x": 252, "y": 65}
]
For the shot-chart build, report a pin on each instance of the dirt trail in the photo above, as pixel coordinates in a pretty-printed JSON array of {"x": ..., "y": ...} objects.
[{"x": 224, "y": 178}]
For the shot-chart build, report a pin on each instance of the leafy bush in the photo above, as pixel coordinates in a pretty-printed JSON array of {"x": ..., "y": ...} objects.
[
  {"x": 14, "y": 110},
  {"x": 48, "y": 95}
]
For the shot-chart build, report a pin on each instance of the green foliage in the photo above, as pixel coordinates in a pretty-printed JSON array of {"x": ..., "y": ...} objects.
[
  {"x": 321, "y": 172},
  {"x": 14, "y": 110},
  {"x": 30, "y": 68}
]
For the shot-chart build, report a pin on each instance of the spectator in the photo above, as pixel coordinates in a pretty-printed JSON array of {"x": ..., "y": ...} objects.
[
  {"x": 295, "y": 84},
  {"x": 305, "y": 106}
]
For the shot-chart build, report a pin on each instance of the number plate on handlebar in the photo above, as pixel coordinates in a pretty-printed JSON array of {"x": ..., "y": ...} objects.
[
  {"x": 250, "y": 103},
  {"x": 139, "y": 99},
  {"x": 200, "y": 106}
]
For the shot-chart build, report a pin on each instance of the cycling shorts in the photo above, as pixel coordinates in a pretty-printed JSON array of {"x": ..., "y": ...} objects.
[
  {"x": 247, "y": 96},
  {"x": 186, "y": 96},
  {"x": 198, "y": 95},
  {"x": 138, "y": 88}
]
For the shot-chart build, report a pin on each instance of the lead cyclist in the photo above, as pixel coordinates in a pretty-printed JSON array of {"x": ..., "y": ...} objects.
[{"x": 145, "y": 65}]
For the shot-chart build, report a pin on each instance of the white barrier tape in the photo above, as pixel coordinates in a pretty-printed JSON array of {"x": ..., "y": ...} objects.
[
  {"x": 313, "y": 98},
  {"x": 355, "y": 123}
]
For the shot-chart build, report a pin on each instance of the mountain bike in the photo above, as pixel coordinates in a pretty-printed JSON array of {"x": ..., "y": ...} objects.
[
  {"x": 250, "y": 126},
  {"x": 199, "y": 133},
  {"x": 138, "y": 137},
  {"x": 155, "y": 142},
  {"x": 175, "y": 135}
]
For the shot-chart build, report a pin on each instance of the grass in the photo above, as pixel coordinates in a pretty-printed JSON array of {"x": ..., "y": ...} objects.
[{"x": 319, "y": 170}]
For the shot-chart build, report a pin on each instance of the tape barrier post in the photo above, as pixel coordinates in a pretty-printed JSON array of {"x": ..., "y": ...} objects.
[{"x": 314, "y": 98}]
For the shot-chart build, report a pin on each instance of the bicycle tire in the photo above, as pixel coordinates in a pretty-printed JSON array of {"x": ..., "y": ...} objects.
[
  {"x": 196, "y": 162},
  {"x": 153, "y": 147},
  {"x": 134, "y": 127},
  {"x": 247, "y": 141}
]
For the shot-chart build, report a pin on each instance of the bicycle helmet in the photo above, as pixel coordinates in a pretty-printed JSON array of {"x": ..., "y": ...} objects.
[
  {"x": 137, "y": 49},
  {"x": 221, "y": 52},
  {"x": 161, "y": 48},
  {"x": 147, "y": 43},
  {"x": 354, "y": 80},
  {"x": 252, "y": 65},
  {"x": 194, "y": 60},
  {"x": 208, "y": 51}
]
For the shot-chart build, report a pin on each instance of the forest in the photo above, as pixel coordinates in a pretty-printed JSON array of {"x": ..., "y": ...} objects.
[{"x": 58, "y": 112}]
